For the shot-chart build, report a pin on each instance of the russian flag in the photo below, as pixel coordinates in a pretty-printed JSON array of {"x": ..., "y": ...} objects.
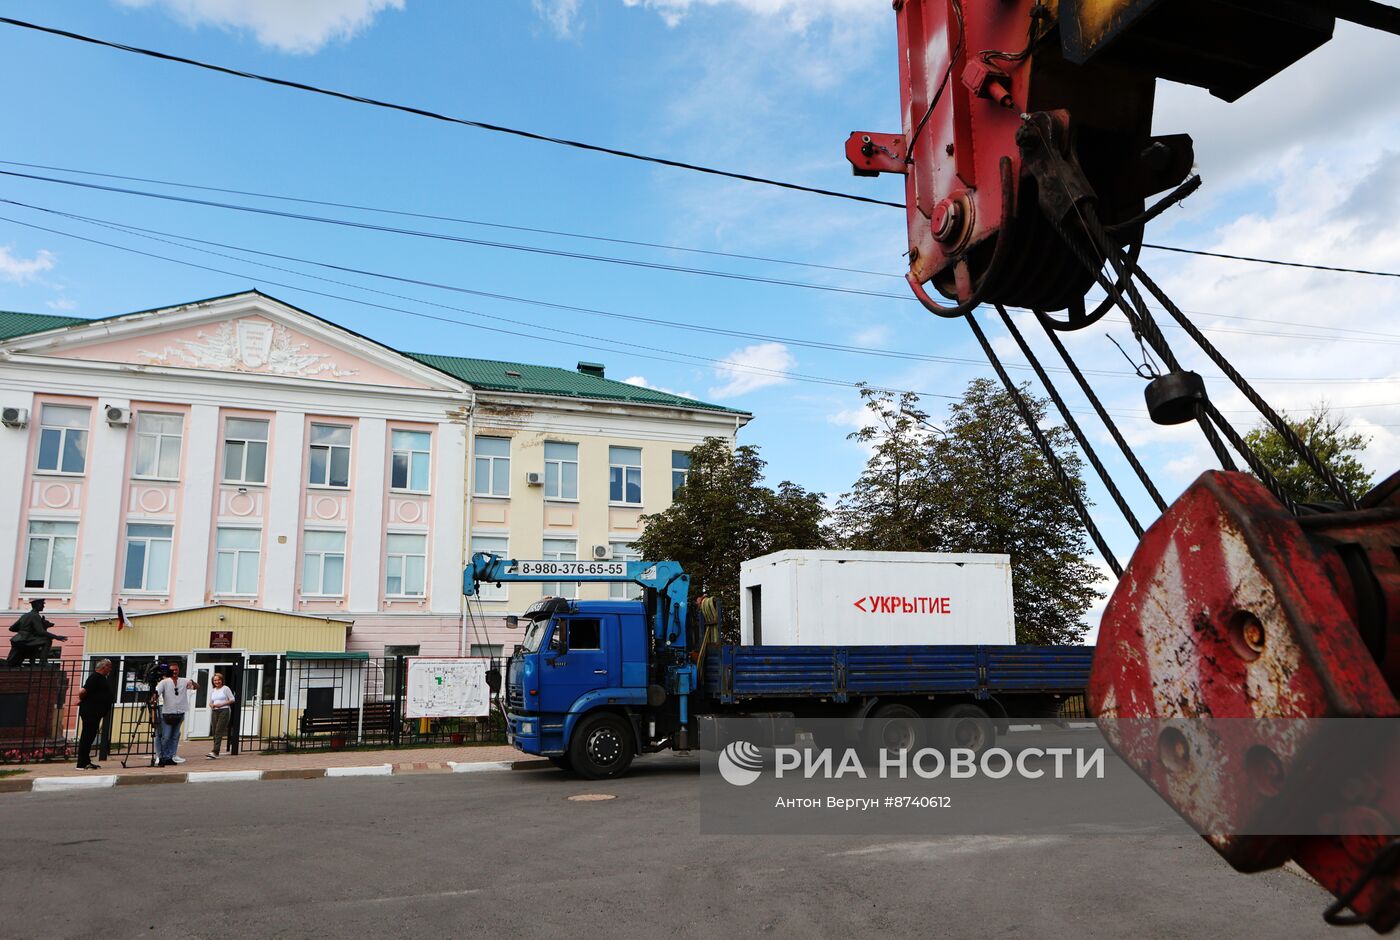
[{"x": 121, "y": 619}]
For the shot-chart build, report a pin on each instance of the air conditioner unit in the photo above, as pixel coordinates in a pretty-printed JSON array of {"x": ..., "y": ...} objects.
[
  {"x": 118, "y": 417},
  {"x": 602, "y": 552},
  {"x": 14, "y": 417},
  {"x": 534, "y": 478}
]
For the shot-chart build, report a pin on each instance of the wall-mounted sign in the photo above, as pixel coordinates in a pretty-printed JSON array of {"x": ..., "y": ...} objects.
[
  {"x": 447, "y": 688},
  {"x": 221, "y": 639}
]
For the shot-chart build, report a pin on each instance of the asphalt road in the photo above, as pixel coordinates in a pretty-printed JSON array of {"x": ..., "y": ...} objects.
[{"x": 511, "y": 854}]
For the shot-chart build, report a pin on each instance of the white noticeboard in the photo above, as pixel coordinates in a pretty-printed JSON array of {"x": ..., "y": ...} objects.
[{"x": 447, "y": 688}]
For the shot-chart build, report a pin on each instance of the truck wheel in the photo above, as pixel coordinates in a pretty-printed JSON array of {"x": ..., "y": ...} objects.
[
  {"x": 966, "y": 726},
  {"x": 893, "y": 728},
  {"x": 601, "y": 747},
  {"x": 562, "y": 762}
]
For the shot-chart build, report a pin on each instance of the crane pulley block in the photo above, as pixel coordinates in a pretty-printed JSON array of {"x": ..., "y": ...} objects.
[
  {"x": 974, "y": 76},
  {"x": 1247, "y": 668}
]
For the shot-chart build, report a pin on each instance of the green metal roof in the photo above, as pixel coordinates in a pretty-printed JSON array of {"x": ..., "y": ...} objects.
[
  {"x": 22, "y": 324},
  {"x": 304, "y": 655},
  {"x": 549, "y": 380},
  {"x": 487, "y": 374}
]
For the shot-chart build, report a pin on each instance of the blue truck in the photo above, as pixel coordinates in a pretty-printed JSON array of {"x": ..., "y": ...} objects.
[{"x": 594, "y": 684}]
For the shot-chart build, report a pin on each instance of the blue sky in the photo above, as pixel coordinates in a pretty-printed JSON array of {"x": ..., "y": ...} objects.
[{"x": 1306, "y": 168}]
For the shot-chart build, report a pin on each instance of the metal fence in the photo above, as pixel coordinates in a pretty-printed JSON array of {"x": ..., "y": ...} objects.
[{"x": 290, "y": 705}]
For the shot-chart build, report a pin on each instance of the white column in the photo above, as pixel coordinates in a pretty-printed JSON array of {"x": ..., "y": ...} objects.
[
  {"x": 366, "y": 541},
  {"x": 449, "y": 517},
  {"x": 284, "y": 512},
  {"x": 100, "y": 535},
  {"x": 203, "y": 459},
  {"x": 14, "y": 454}
]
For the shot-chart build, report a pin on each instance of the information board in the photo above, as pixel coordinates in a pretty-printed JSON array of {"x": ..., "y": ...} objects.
[{"x": 447, "y": 688}]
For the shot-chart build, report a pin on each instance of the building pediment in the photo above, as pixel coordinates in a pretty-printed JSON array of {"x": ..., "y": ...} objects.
[{"x": 249, "y": 333}]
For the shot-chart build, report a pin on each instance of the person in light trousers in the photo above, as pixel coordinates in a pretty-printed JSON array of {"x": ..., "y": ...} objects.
[
  {"x": 221, "y": 701},
  {"x": 174, "y": 694}
]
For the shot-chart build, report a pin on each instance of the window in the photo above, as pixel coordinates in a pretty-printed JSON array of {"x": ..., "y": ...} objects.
[
  {"x": 49, "y": 566},
  {"x": 245, "y": 450},
  {"x": 560, "y": 550},
  {"x": 157, "y": 446},
  {"x": 488, "y": 650},
  {"x": 411, "y": 460},
  {"x": 271, "y": 666},
  {"x": 135, "y": 670},
  {"x": 680, "y": 468},
  {"x": 624, "y": 590},
  {"x": 63, "y": 433},
  {"x": 499, "y": 545},
  {"x": 405, "y": 566},
  {"x": 492, "y": 474},
  {"x": 560, "y": 470},
  {"x": 330, "y": 455},
  {"x": 147, "y": 558},
  {"x": 585, "y": 634},
  {"x": 625, "y": 475},
  {"x": 236, "y": 567},
  {"x": 323, "y": 563}
]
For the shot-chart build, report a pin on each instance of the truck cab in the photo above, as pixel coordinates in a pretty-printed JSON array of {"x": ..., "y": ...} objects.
[{"x": 580, "y": 660}]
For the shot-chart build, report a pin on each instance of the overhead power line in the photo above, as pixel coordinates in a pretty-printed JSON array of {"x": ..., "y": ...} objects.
[
  {"x": 580, "y": 256},
  {"x": 647, "y": 352},
  {"x": 438, "y": 116},
  {"x": 1274, "y": 261},
  {"x": 458, "y": 220},
  {"x": 578, "y": 144}
]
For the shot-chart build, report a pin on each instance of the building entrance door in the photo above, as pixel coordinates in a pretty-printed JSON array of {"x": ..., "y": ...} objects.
[{"x": 206, "y": 665}]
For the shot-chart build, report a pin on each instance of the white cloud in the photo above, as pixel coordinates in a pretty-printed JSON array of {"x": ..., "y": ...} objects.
[
  {"x": 61, "y": 304},
  {"x": 641, "y": 382},
  {"x": 753, "y": 367},
  {"x": 23, "y": 270},
  {"x": 796, "y": 14},
  {"x": 561, "y": 15},
  {"x": 878, "y": 335},
  {"x": 297, "y": 26}
]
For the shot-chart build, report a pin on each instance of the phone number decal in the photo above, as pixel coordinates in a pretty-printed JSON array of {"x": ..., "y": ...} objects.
[{"x": 571, "y": 569}]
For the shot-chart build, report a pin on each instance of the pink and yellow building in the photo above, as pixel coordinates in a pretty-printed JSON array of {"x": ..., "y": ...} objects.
[{"x": 244, "y": 454}]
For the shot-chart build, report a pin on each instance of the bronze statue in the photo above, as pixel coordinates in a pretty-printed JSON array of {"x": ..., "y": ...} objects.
[{"x": 32, "y": 639}]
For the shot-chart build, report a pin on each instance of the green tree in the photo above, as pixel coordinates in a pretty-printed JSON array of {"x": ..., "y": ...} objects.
[
  {"x": 980, "y": 485},
  {"x": 1328, "y": 437},
  {"x": 724, "y": 515},
  {"x": 892, "y": 506}
]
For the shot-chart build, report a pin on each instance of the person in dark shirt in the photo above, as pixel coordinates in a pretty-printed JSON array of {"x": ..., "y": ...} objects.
[{"x": 94, "y": 702}]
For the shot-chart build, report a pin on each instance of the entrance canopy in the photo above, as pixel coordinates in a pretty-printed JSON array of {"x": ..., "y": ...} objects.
[{"x": 218, "y": 626}]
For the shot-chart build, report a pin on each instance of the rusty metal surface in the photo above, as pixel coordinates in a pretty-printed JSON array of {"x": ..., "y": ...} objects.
[{"x": 1228, "y": 646}]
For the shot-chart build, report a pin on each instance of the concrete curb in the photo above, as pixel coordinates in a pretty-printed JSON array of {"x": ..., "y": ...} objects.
[
  {"x": 222, "y": 776},
  {"x": 104, "y": 781},
  {"x": 100, "y": 782},
  {"x": 464, "y": 767},
  {"x": 373, "y": 770}
]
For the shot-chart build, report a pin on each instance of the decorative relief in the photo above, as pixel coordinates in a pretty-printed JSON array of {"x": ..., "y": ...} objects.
[
  {"x": 242, "y": 504},
  {"x": 325, "y": 508},
  {"x": 490, "y": 512},
  {"x": 153, "y": 500},
  {"x": 562, "y": 518},
  {"x": 248, "y": 346},
  {"x": 411, "y": 511},
  {"x": 56, "y": 494},
  {"x": 624, "y": 520}
]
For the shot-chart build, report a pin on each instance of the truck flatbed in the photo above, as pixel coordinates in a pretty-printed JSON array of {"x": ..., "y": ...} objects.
[{"x": 737, "y": 673}]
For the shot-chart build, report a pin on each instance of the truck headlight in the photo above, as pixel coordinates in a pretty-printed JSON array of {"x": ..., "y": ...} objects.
[{"x": 527, "y": 727}]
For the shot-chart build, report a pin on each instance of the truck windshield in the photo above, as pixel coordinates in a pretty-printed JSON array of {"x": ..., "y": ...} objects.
[{"x": 534, "y": 636}]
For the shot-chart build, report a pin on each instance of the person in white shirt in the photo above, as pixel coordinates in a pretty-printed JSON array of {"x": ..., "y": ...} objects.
[
  {"x": 174, "y": 695},
  {"x": 221, "y": 704}
]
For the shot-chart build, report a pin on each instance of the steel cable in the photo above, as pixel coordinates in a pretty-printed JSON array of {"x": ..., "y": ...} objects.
[
  {"x": 1051, "y": 458},
  {"x": 1073, "y": 425}
]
